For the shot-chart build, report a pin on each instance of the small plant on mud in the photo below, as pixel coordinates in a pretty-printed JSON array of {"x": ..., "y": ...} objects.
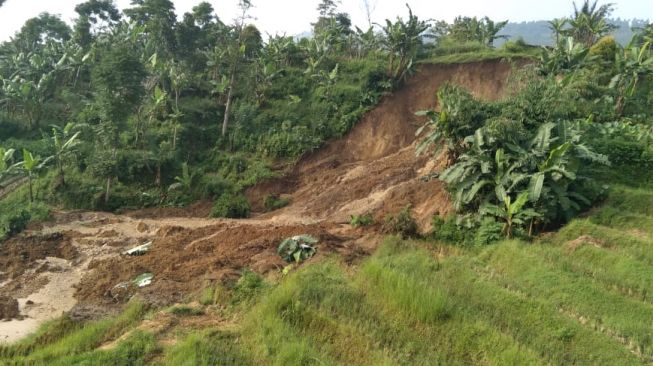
[
  {"x": 274, "y": 202},
  {"x": 361, "y": 220},
  {"x": 185, "y": 310},
  {"x": 401, "y": 223},
  {"x": 297, "y": 249},
  {"x": 206, "y": 296}
]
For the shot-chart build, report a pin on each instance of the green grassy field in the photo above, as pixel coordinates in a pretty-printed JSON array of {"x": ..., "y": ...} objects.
[{"x": 582, "y": 295}]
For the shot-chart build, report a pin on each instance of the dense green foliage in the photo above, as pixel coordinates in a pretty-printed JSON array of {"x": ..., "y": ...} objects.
[
  {"x": 145, "y": 94},
  {"x": 531, "y": 162},
  {"x": 141, "y": 109}
]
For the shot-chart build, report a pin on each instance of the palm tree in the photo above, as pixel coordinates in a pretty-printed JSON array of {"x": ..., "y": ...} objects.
[{"x": 589, "y": 22}]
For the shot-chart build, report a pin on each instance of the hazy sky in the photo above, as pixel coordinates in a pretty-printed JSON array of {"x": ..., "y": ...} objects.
[{"x": 294, "y": 16}]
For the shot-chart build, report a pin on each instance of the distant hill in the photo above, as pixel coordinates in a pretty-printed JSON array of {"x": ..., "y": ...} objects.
[{"x": 538, "y": 32}]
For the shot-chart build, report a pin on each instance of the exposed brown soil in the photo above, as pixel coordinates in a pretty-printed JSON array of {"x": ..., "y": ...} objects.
[
  {"x": 573, "y": 245},
  {"x": 8, "y": 308},
  {"x": 22, "y": 253},
  {"x": 184, "y": 259},
  {"x": 73, "y": 263},
  {"x": 374, "y": 169}
]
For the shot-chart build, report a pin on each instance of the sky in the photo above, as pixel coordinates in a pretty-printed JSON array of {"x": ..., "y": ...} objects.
[{"x": 293, "y": 17}]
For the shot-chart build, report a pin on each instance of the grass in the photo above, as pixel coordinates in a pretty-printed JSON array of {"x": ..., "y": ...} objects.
[
  {"x": 206, "y": 348},
  {"x": 580, "y": 296},
  {"x": 476, "y": 56},
  {"x": 184, "y": 310},
  {"x": 63, "y": 340}
]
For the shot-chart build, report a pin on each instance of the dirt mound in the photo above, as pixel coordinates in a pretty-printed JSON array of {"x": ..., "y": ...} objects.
[
  {"x": 23, "y": 252},
  {"x": 374, "y": 168}
]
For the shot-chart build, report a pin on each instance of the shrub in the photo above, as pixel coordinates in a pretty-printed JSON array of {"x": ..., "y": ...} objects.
[
  {"x": 231, "y": 206},
  {"x": 447, "y": 230},
  {"x": 14, "y": 219},
  {"x": 17, "y": 222},
  {"x": 213, "y": 186},
  {"x": 488, "y": 232},
  {"x": 623, "y": 152},
  {"x": 274, "y": 202},
  {"x": 605, "y": 49},
  {"x": 401, "y": 223},
  {"x": 516, "y": 46},
  {"x": 361, "y": 220}
]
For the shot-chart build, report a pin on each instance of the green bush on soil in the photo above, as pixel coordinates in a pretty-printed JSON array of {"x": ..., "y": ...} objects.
[
  {"x": 401, "y": 223},
  {"x": 274, "y": 202},
  {"x": 234, "y": 206}
]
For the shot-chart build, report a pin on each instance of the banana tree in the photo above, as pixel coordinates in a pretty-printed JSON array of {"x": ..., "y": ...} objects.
[
  {"x": 557, "y": 26},
  {"x": 459, "y": 117},
  {"x": 64, "y": 142},
  {"x": 567, "y": 56},
  {"x": 401, "y": 41},
  {"x": 513, "y": 214},
  {"x": 6, "y": 155},
  {"x": 590, "y": 22},
  {"x": 632, "y": 64},
  {"x": 365, "y": 41},
  {"x": 31, "y": 165},
  {"x": 265, "y": 75},
  {"x": 490, "y": 31}
]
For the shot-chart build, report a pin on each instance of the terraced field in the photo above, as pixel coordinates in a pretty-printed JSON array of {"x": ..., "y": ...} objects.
[{"x": 582, "y": 295}]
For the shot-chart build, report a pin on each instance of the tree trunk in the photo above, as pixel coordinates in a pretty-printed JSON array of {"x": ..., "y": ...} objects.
[
  {"x": 61, "y": 174},
  {"x": 31, "y": 191},
  {"x": 227, "y": 108},
  {"x": 157, "y": 179},
  {"x": 619, "y": 108},
  {"x": 174, "y": 137},
  {"x": 106, "y": 193}
]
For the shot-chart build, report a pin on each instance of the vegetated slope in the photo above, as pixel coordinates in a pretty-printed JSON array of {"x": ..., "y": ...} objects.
[{"x": 373, "y": 169}]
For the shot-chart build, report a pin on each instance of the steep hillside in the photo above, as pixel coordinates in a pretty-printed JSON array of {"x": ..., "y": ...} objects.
[{"x": 374, "y": 169}]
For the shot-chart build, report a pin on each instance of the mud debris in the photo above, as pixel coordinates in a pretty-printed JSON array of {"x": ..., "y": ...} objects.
[{"x": 8, "y": 308}]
